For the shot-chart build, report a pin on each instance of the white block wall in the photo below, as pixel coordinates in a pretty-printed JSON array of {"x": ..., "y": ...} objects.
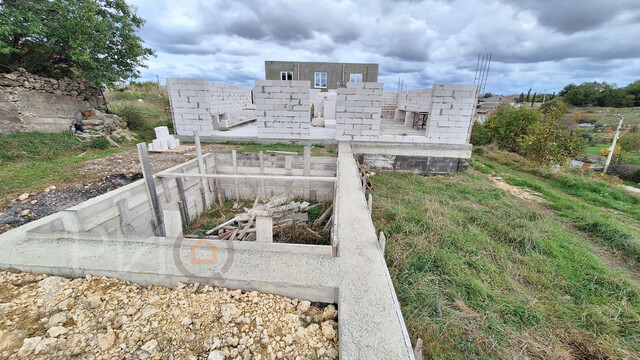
[
  {"x": 190, "y": 106},
  {"x": 229, "y": 98},
  {"x": 193, "y": 101},
  {"x": 358, "y": 111},
  {"x": 415, "y": 100},
  {"x": 282, "y": 109},
  {"x": 451, "y": 113},
  {"x": 389, "y": 98}
]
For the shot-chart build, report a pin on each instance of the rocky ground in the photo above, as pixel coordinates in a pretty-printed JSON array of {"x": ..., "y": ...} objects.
[{"x": 48, "y": 317}]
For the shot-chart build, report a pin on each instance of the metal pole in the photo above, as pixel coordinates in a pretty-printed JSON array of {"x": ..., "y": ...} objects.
[{"x": 613, "y": 146}]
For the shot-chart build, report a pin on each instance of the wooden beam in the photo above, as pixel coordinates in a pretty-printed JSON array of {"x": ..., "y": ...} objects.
[
  {"x": 183, "y": 199},
  {"x": 216, "y": 184},
  {"x": 147, "y": 173},
  {"x": 202, "y": 170}
]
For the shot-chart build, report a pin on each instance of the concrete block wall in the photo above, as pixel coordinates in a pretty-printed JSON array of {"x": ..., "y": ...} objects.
[
  {"x": 415, "y": 100},
  {"x": 451, "y": 114},
  {"x": 229, "y": 98},
  {"x": 283, "y": 109},
  {"x": 190, "y": 106},
  {"x": 389, "y": 98},
  {"x": 358, "y": 111}
]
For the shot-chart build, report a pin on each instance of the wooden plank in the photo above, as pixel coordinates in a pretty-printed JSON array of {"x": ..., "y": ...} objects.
[
  {"x": 281, "y": 152},
  {"x": 216, "y": 183},
  {"x": 147, "y": 173},
  {"x": 238, "y": 124},
  {"x": 183, "y": 212}
]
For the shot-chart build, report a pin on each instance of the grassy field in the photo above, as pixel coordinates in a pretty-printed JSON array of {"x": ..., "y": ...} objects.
[
  {"x": 629, "y": 157},
  {"x": 550, "y": 272},
  {"x": 604, "y": 115}
]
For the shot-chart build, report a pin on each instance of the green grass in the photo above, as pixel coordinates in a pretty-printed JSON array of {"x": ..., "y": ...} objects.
[
  {"x": 30, "y": 161},
  {"x": 482, "y": 274},
  {"x": 606, "y": 115},
  {"x": 628, "y": 157}
]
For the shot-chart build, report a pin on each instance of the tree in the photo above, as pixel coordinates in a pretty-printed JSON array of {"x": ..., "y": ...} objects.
[
  {"x": 566, "y": 89},
  {"x": 528, "y": 94},
  {"x": 633, "y": 91},
  {"x": 92, "y": 39},
  {"x": 487, "y": 95},
  {"x": 581, "y": 95},
  {"x": 553, "y": 109},
  {"x": 548, "y": 141},
  {"x": 509, "y": 123}
]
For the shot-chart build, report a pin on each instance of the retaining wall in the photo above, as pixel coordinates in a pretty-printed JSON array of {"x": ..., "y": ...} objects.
[
  {"x": 283, "y": 109},
  {"x": 358, "y": 111}
]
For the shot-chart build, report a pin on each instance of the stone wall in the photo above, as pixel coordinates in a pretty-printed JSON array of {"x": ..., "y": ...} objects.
[
  {"x": 415, "y": 100},
  {"x": 34, "y": 103},
  {"x": 282, "y": 109},
  {"x": 358, "y": 111},
  {"x": 450, "y": 116},
  {"x": 389, "y": 98}
]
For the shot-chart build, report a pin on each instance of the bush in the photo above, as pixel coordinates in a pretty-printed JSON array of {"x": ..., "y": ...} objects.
[
  {"x": 510, "y": 123},
  {"x": 99, "y": 143},
  {"x": 630, "y": 141},
  {"x": 549, "y": 141},
  {"x": 635, "y": 177},
  {"x": 480, "y": 134},
  {"x": 584, "y": 118},
  {"x": 553, "y": 109},
  {"x": 134, "y": 117}
]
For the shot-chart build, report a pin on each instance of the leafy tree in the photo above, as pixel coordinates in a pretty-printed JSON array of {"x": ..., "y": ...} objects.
[
  {"x": 92, "y": 39},
  {"x": 582, "y": 95},
  {"x": 509, "y": 123},
  {"x": 566, "y": 89},
  {"x": 480, "y": 134},
  {"x": 548, "y": 141},
  {"x": 630, "y": 141},
  {"x": 615, "y": 98},
  {"x": 633, "y": 91},
  {"x": 553, "y": 109}
]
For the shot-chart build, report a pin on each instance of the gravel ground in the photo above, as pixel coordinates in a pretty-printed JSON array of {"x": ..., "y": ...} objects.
[{"x": 49, "y": 317}]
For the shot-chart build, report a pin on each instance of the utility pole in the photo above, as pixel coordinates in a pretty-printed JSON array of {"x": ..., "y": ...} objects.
[
  {"x": 544, "y": 96},
  {"x": 613, "y": 146}
]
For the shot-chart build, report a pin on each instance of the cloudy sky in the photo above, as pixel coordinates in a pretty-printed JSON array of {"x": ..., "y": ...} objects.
[{"x": 544, "y": 44}]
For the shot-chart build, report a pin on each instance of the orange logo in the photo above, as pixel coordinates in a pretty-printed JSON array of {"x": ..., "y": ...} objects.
[{"x": 201, "y": 243}]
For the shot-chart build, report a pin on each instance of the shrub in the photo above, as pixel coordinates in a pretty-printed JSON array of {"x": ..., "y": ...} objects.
[
  {"x": 630, "y": 141},
  {"x": 480, "y": 134},
  {"x": 549, "y": 141},
  {"x": 582, "y": 118},
  {"x": 509, "y": 123},
  {"x": 635, "y": 177},
  {"x": 134, "y": 117},
  {"x": 553, "y": 109}
]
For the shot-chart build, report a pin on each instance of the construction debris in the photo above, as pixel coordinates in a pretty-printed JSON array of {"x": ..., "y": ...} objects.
[{"x": 283, "y": 211}]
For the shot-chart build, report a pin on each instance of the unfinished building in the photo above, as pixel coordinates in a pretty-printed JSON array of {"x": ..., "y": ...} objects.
[{"x": 136, "y": 232}]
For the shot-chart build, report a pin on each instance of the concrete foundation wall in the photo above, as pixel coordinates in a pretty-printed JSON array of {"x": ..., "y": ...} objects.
[
  {"x": 358, "y": 112},
  {"x": 451, "y": 114},
  {"x": 128, "y": 210},
  {"x": 283, "y": 109}
]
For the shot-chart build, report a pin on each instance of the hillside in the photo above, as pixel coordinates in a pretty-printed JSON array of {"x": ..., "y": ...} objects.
[{"x": 506, "y": 261}]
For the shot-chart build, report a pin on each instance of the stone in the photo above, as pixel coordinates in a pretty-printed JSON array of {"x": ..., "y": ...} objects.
[
  {"x": 93, "y": 301},
  {"x": 328, "y": 331},
  {"x": 45, "y": 346},
  {"x": 303, "y": 306},
  {"x": 58, "y": 319},
  {"x": 29, "y": 346},
  {"x": 51, "y": 286},
  {"x": 329, "y": 313},
  {"x": 93, "y": 122},
  {"x": 25, "y": 213},
  {"x": 57, "y": 331},
  {"x": 150, "y": 345},
  {"x": 215, "y": 355},
  {"x": 23, "y": 197},
  {"x": 106, "y": 341},
  {"x": 186, "y": 321},
  {"x": 10, "y": 340},
  {"x": 229, "y": 312}
]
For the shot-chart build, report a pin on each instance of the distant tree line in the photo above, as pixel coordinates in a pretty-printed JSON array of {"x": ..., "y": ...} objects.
[{"x": 608, "y": 95}]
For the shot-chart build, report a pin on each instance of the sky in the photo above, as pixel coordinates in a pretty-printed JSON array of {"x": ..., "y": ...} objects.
[{"x": 538, "y": 44}]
